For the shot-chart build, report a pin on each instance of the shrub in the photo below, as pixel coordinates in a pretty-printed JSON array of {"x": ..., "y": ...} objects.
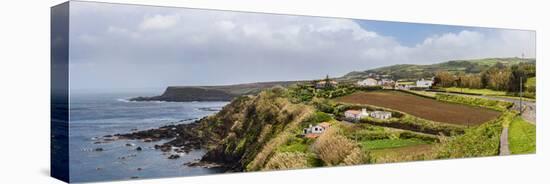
[
  {"x": 333, "y": 149},
  {"x": 319, "y": 117},
  {"x": 355, "y": 157},
  {"x": 323, "y": 105}
]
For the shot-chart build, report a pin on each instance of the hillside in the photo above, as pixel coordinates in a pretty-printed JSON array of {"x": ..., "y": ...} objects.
[
  {"x": 411, "y": 71},
  {"x": 247, "y": 130},
  {"x": 241, "y": 136}
]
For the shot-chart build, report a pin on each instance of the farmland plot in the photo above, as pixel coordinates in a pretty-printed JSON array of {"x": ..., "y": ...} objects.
[{"x": 423, "y": 107}]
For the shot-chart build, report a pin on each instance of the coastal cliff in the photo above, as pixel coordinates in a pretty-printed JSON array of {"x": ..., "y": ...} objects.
[
  {"x": 249, "y": 129},
  {"x": 242, "y": 136},
  {"x": 186, "y": 94},
  {"x": 212, "y": 93}
]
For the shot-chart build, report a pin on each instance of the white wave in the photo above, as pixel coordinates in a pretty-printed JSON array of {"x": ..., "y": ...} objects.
[{"x": 123, "y": 100}]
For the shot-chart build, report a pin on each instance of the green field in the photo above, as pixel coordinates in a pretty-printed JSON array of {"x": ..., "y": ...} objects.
[
  {"x": 487, "y": 92},
  {"x": 522, "y": 136},
  {"x": 390, "y": 143}
]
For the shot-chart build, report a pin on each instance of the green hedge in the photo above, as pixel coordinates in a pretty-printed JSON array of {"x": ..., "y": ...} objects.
[
  {"x": 479, "y": 102},
  {"x": 408, "y": 122}
]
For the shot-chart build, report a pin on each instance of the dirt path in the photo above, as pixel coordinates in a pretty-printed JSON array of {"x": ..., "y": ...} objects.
[{"x": 504, "y": 149}]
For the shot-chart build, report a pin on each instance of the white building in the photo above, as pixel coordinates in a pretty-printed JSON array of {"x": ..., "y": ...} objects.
[
  {"x": 315, "y": 131},
  {"x": 355, "y": 115},
  {"x": 368, "y": 82},
  {"x": 424, "y": 83},
  {"x": 380, "y": 114}
]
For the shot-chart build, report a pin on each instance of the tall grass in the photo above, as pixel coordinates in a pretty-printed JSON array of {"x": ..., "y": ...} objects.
[
  {"x": 335, "y": 149},
  {"x": 287, "y": 160}
]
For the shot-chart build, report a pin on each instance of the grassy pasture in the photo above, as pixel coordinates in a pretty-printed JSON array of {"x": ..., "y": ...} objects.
[{"x": 522, "y": 136}]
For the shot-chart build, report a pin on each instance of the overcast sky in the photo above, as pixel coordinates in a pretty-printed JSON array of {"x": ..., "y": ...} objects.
[{"x": 124, "y": 46}]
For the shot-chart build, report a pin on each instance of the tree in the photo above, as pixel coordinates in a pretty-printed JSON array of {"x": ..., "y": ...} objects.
[
  {"x": 497, "y": 77},
  {"x": 444, "y": 79},
  {"x": 518, "y": 78}
]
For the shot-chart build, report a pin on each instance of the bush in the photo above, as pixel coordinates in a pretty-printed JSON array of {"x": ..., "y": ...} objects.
[
  {"x": 334, "y": 149},
  {"x": 319, "y": 117},
  {"x": 324, "y": 105}
]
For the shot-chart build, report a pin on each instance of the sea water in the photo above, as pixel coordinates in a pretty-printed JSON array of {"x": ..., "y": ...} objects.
[{"x": 96, "y": 115}]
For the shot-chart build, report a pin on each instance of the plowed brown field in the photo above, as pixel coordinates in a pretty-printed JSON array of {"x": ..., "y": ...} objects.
[{"x": 423, "y": 107}]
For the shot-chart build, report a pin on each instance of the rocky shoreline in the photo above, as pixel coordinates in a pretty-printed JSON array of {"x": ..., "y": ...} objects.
[{"x": 182, "y": 138}]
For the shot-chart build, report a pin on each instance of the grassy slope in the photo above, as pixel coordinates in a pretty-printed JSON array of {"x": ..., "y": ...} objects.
[
  {"x": 487, "y": 92},
  {"x": 410, "y": 71},
  {"x": 390, "y": 143},
  {"x": 522, "y": 136}
]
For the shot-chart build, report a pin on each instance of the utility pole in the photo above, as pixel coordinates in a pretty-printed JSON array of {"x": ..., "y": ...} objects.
[
  {"x": 521, "y": 90},
  {"x": 520, "y": 95}
]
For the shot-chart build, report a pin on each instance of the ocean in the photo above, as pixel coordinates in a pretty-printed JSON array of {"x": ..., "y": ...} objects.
[{"x": 97, "y": 115}]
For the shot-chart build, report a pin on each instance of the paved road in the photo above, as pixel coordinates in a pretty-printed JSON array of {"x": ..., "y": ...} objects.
[{"x": 529, "y": 108}]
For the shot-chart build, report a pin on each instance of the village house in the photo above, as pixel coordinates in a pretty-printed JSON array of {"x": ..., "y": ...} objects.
[
  {"x": 315, "y": 131},
  {"x": 403, "y": 86},
  {"x": 356, "y": 115},
  {"x": 424, "y": 83},
  {"x": 386, "y": 83},
  {"x": 380, "y": 114},
  {"x": 383, "y": 82},
  {"x": 368, "y": 82}
]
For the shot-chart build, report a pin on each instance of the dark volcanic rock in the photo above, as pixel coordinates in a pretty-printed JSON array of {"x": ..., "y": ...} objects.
[
  {"x": 174, "y": 157},
  {"x": 185, "y": 137}
]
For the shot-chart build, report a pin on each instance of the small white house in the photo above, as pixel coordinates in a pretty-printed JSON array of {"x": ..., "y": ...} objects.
[
  {"x": 380, "y": 114},
  {"x": 315, "y": 131},
  {"x": 368, "y": 82},
  {"x": 424, "y": 83},
  {"x": 355, "y": 115},
  {"x": 383, "y": 82}
]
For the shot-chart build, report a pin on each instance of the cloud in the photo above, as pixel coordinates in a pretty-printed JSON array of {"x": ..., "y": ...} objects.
[
  {"x": 159, "y": 22},
  {"x": 219, "y": 47}
]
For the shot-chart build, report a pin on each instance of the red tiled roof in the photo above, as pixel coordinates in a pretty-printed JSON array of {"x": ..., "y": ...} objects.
[
  {"x": 312, "y": 136},
  {"x": 353, "y": 111}
]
